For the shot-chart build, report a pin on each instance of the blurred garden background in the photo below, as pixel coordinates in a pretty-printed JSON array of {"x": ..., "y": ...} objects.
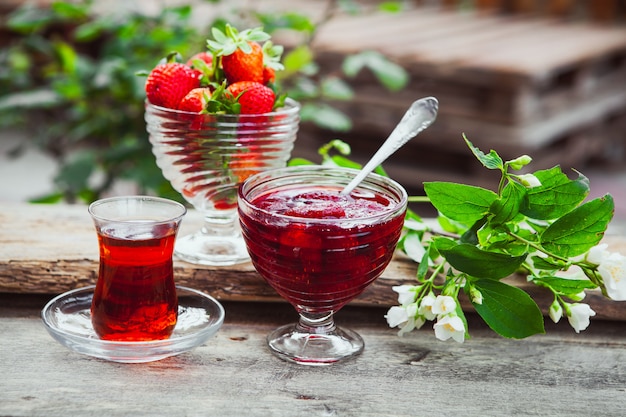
[{"x": 543, "y": 78}]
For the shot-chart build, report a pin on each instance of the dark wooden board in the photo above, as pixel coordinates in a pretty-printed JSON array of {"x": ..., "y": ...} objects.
[{"x": 50, "y": 249}]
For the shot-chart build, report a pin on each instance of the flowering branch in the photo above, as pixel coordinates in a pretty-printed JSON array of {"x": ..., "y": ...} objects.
[{"x": 537, "y": 224}]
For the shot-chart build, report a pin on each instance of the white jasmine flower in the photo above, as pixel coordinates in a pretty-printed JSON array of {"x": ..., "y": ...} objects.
[
  {"x": 450, "y": 327},
  {"x": 415, "y": 225},
  {"x": 396, "y": 316},
  {"x": 414, "y": 248},
  {"x": 578, "y": 316},
  {"x": 612, "y": 269},
  {"x": 443, "y": 305},
  {"x": 406, "y": 293},
  {"x": 597, "y": 253},
  {"x": 556, "y": 311},
  {"x": 573, "y": 272},
  {"x": 529, "y": 180},
  {"x": 426, "y": 307},
  {"x": 404, "y": 317}
]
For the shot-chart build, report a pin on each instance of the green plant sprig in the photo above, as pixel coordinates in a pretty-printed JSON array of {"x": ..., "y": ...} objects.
[{"x": 536, "y": 224}]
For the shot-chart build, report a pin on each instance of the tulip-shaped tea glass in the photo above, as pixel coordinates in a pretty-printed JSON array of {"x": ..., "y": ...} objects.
[
  {"x": 206, "y": 156},
  {"x": 319, "y": 249},
  {"x": 135, "y": 297}
]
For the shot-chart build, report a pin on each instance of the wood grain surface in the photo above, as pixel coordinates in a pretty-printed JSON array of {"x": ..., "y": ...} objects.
[
  {"x": 50, "y": 249},
  {"x": 234, "y": 374}
]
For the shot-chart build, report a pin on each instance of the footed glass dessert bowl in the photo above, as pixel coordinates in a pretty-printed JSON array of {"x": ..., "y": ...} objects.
[{"x": 319, "y": 249}]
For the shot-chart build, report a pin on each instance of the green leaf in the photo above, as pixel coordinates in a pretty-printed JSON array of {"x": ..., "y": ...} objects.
[
  {"x": 546, "y": 264},
  {"x": 564, "y": 285},
  {"x": 336, "y": 89},
  {"x": 423, "y": 266},
  {"x": 88, "y": 31},
  {"x": 325, "y": 116},
  {"x": 579, "y": 230},
  {"x": 48, "y": 199},
  {"x": 69, "y": 10},
  {"x": 295, "y": 21},
  {"x": 491, "y": 161},
  {"x": 297, "y": 59},
  {"x": 74, "y": 175},
  {"x": 390, "y": 6},
  {"x": 508, "y": 310},
  {"x": 67, "y": 56},
  {"x": 556, "y": 196},
  {"x": 471, "y": 235},
  {"x": 29, "y": 19},
  {"x": 391, "y": 75},
  {"x": 35, "y": 99},
  {"x": 508, "y": 205},
  {"x": 443, "y": 243},
  {"x": 464, "y": 203},
  {"x": 299, "y": 162},
  {"x": 353, "y": 64},
  {"x": 479, "y": 263},
  {"x": 342, "y": 161}
]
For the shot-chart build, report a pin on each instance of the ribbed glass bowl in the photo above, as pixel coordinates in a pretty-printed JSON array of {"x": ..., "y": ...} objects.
[{"x": 206, "y": 156}]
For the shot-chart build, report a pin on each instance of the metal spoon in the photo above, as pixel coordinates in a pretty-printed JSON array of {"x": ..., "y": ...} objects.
[{"x": 418, "y": 117}]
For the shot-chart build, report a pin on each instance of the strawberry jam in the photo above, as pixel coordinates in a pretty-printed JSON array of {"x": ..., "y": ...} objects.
[{"x": 317, "y": 248}]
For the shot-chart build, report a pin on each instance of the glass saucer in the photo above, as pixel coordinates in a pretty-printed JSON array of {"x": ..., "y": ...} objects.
[{"x": 67, "y": 318}]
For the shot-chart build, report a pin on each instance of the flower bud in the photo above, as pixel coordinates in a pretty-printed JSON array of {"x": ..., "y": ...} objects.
[
  {"x": 475, "y": 295},
  {"x": 520, "y": 162},
  {"x": 577, "y": 297},
  {"x": 578, "y": 316},
  {"x": 529, "y": 180},
  {"x": 556, "y": 311}
]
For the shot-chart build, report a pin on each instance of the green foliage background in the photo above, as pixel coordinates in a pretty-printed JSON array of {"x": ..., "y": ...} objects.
[{"x": 68, "y": 76}]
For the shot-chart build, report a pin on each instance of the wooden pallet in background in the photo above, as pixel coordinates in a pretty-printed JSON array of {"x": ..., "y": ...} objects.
[{"x": 517, "y": 84}]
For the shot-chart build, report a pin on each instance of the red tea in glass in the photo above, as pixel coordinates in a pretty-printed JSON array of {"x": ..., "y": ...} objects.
[{"x": 135, "y": 297}]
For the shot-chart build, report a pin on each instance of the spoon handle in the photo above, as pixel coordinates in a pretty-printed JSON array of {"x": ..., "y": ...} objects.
[{"x": 417, "y": 118}]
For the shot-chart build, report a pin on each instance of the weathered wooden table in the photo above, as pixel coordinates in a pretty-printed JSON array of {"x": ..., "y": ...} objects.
[{"x": 46, "y": 250}]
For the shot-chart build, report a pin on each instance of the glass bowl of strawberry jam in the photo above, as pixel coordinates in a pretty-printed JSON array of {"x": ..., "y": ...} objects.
[{"x": 319, "y": 249}]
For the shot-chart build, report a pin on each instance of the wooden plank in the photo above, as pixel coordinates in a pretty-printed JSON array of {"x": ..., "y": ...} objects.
[
  {"x": 566, "y": 47},
  {"x": 534, "y": 48},
  {"x": 392, "y": 34},
  {"x": 524, "y": 6},
  {"x": 489, "y": 4},
  {"x": 534, "y": 123},
  {"x": 603, "y": 10},
  {"x": 51, "y": 249},
  {"x": 561, "y": 8},
  {"x": 524, "y": 105},
  {"x": 490, "y": 34},
  {"x": 561, "y": 374}
]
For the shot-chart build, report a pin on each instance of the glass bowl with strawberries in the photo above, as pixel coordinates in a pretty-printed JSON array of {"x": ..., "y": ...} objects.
[{"x": 213, "y": 121}]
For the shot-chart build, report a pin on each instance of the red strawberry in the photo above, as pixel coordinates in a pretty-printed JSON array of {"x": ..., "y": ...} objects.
[
  {"x": 202, "y": 56},
  {"x": 168, "y": 83},
  {"x": 196, "y": 100},
  {"x": 269, "y": 75},
  {"x": 242, "y": 66},
  {"x": 254, "y": 97}
]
